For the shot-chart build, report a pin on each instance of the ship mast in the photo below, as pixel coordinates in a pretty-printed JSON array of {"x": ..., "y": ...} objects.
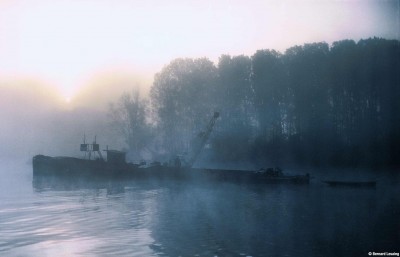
[{"x": 91, "y": 148}]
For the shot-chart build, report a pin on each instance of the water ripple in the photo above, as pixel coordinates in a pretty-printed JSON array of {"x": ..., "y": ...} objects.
[{"x": 134, "y": 218}]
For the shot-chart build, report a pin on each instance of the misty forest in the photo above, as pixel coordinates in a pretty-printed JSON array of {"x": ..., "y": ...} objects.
[{"x": 313, "y": 105}]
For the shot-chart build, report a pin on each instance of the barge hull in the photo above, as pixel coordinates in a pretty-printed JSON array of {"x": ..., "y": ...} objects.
[{"x": 75, "y": 167}]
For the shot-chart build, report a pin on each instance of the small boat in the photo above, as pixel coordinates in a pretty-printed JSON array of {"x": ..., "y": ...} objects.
[{"x": 336, "y": 183}]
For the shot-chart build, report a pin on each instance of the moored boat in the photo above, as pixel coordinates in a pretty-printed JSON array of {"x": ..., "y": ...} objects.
[
  {"x": 115, "y": 167},
  {"x": 265, "y": 176},
  {"x": 94, "y": 165}
]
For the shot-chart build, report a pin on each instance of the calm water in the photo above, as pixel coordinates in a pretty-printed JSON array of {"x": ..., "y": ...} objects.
[{"x": 171, "y": 218}]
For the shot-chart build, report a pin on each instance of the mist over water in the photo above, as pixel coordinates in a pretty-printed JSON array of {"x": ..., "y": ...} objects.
[{"x": 53, "y": 217}]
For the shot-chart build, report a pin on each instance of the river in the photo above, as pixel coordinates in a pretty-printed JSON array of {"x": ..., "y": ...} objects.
[{"x": 188, "y": 218}]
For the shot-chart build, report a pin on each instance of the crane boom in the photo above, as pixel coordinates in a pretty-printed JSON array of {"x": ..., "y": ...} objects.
[{"x": 203, "y": 137}]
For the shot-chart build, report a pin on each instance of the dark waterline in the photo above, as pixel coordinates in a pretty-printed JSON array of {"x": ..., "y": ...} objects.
[{"x": 178, "y": 218}]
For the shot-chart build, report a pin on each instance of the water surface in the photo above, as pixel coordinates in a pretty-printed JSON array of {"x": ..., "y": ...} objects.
[{"x": 178, "y": 218}]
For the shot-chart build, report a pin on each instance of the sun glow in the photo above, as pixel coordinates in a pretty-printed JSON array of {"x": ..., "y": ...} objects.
[{"x": 67, "y": 42}]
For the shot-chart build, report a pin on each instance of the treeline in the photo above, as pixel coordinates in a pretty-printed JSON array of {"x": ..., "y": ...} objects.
[{"x": 313, "y": 105}]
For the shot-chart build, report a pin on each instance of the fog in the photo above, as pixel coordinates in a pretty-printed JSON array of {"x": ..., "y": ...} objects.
[
  {"x": 38, "y": 120},
  {"x": 315, "y": 105},
  {"x": 66, "y": 42},
  {"x": 308, "y": 86},
  {"x": 296, "y": 82}
]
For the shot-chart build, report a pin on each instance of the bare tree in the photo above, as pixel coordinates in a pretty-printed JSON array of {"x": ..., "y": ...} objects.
[{"x": 128, "y": 116}]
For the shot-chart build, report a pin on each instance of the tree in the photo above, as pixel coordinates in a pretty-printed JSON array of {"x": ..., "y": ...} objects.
[
  {"x": 233, "y": 98},
  {"x": 308, "y": 81},
  {"x": 269, "y": 87},
  {"x": 182, "y": 99},
  {"x": 129, "y": 118}
]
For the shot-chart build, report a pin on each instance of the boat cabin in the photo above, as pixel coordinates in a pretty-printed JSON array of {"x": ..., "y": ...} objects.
[{"x": 116, "y": 157}]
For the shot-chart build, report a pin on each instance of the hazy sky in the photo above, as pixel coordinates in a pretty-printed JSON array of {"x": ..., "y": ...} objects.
[{"x": 66, "y": 43}]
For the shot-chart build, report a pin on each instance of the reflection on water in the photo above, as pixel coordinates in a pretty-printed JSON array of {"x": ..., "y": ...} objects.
[{"x": 50, "y": 217}]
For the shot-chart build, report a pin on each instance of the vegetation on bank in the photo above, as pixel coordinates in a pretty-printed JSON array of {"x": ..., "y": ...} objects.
[{"x": 313, "y": 105}]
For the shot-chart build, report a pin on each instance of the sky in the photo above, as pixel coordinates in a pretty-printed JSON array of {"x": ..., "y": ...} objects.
[{"x": 68, "y": 44}]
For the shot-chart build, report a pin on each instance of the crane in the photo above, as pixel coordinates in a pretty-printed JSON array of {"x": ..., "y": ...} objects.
[{"x": 202, "y": 139}]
